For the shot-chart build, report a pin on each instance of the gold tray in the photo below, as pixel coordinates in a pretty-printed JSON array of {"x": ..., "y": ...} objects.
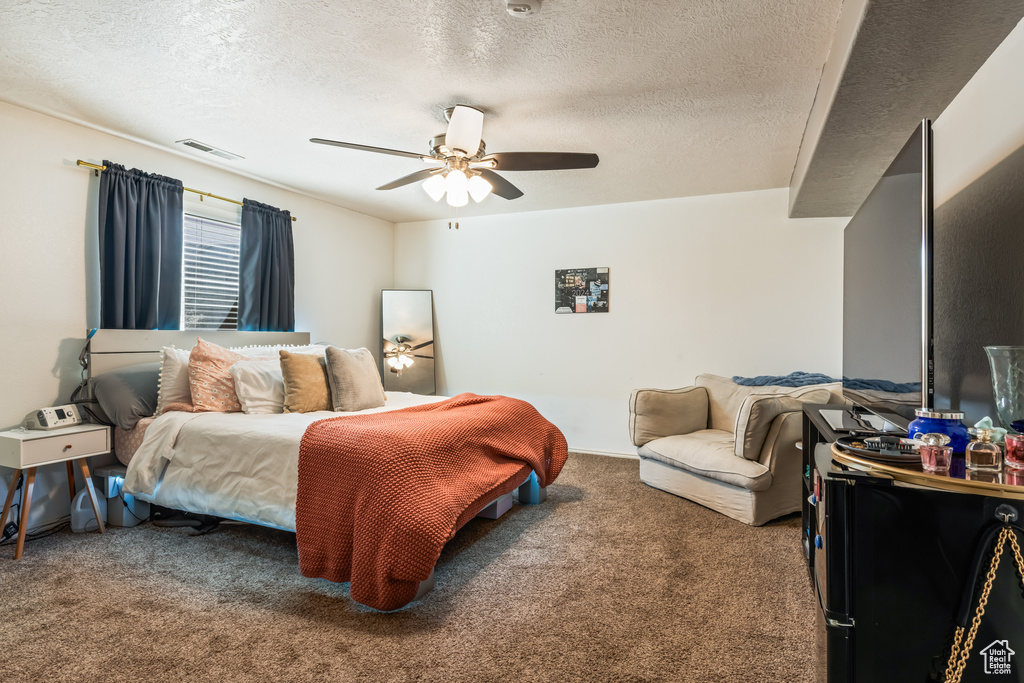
[{"x": 913, "y": 474}]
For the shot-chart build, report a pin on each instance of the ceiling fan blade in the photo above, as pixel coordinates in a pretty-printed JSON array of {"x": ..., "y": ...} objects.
[
  {"x": 501, "y": 187},
  {"x": 541, "y": 161},
  {"x": 367, "y": 148},
  {"x": 411, "y": 178},
  {"x": 420, "y": 346},
  {"x": 416, "y": 355},
  {"x": 465, "y": 128}
]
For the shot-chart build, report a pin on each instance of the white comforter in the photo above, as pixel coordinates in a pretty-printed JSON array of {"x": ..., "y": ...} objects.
[{"x": 231, "y": 464}]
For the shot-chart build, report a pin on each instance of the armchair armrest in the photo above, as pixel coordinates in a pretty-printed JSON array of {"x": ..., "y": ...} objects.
[
  {"x": 654, "y": 413},
  {"x": 779, "y": 450},
  {"x": 758, "y": 412}
]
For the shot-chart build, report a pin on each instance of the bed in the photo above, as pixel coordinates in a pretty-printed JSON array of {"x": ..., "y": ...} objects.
[{"x": 246, "y": 467}]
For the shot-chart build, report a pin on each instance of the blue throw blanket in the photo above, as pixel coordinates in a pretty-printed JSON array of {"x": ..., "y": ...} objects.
[
  {"x": 802, "y": 379},
  {"x": 793, "y": 379},
  {"x": 882, "y": 385}
]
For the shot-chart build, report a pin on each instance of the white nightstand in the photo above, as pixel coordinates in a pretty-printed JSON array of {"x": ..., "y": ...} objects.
[{"x": 25, "y": 450}]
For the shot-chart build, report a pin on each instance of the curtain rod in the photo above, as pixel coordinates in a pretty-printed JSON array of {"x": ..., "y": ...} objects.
[{"x": 201, "y": 194}]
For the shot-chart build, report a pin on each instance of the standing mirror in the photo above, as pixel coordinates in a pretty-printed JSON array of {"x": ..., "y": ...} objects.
[{"x": 407, "y": 340}]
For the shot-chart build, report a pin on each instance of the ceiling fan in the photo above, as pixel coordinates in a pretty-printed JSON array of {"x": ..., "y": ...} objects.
[
  {"x": 399, "y": 353},
  {"x": 463, "y": 168}
]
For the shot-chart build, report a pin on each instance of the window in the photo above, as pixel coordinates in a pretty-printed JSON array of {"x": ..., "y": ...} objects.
[{"x": 209, "y": 282}]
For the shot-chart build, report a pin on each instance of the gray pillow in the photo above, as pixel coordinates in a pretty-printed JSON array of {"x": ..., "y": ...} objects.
[
  {"x": 127, "y": 394},
  {"x": 355, "y": 382}
]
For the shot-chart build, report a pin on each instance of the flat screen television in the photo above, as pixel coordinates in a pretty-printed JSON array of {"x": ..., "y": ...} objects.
[
  {"x": 887, "y": 289},
  {"x": 978, "y": 293}
]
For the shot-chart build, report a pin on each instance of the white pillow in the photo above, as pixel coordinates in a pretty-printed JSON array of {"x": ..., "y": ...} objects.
[
  {"x": 259, "y": 384},
  {"x": 173, "y": 386}
]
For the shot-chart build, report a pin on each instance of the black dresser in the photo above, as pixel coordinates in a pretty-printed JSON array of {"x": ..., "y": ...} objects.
[{"x": 890, "y": 554}]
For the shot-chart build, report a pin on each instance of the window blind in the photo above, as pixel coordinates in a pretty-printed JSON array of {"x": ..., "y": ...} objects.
[{"x": 209, "y": 283}]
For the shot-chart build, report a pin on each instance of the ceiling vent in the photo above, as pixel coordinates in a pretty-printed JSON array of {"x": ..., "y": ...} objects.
[{"x": 209, "y": 149}]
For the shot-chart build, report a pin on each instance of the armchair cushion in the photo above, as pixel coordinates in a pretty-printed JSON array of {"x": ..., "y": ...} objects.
[
  {"x": 757, "y": 411},
  {"x": 725, "y": 398},
  {"x": 654, "y": 413},
  {"x": 709, "y": 453}
]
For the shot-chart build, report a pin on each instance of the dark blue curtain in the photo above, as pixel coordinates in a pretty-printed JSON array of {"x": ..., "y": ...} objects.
[
  {"x": 266, "y": 273},
  {"x": 140, "y": 226}
]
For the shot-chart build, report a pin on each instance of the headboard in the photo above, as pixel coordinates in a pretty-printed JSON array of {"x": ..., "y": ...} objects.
[{"x": 110, "y": 349}]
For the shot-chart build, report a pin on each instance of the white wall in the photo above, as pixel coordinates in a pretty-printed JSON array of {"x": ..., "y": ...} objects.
[
  {"x": 48, "y": 283},
  {"x": 724, "y": 284},
  {"x": 983, "y": 124}
]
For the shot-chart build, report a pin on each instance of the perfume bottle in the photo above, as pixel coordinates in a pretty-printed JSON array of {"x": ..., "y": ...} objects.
[
  {"x": 1015, "y": 452},
  {"x": 940, "y": 422},
  {"x": 983, "y": 454},
  {"x": 935, "y": 453}
]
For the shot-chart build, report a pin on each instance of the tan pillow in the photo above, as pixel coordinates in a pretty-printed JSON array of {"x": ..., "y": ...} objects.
[
  {"x": 305, "y": 382},
  {"x": 354, "y": 379}
]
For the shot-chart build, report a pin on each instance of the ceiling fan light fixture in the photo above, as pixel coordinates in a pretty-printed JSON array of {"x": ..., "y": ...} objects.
[
  {"x": 478, "y": 188},
  {"x": 435, "y": 187},
  {"x": 458, "y": 198},
  {"x": 399, "y": 355},
  {"x": 456, "y": 181}
]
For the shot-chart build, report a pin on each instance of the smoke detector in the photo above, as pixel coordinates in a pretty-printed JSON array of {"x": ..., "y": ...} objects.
[
  {"x": 209, "y": 149},
  {"x": 522, "y": 8}
]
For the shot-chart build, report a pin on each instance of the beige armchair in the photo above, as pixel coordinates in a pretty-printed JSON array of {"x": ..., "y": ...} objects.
[{"x": 729, "y": 447}]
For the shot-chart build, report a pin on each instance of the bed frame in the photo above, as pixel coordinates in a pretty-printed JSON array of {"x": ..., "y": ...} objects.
[{"x": 112, "y": 349}]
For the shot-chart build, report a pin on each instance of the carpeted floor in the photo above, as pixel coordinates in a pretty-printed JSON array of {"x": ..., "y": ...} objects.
[{"x": 608, "y": 580}]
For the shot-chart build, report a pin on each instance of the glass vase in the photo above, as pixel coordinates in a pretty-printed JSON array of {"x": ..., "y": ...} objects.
[{"x": 1007, "y": 364}]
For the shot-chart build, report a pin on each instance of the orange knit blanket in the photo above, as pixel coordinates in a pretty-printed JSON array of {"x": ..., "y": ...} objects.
[{"x": 379, "y": 495}]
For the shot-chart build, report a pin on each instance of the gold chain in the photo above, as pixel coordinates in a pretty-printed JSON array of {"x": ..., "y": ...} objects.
[
  {"x": 957, "y": 656},
  {"x": 954, "y": 655},
  {"x": 980, "y": 612},
  {"x": 1017, "y": 555}
]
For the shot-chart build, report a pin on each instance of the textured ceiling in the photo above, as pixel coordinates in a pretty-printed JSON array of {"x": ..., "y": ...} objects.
[
  {"x": 677, "y": 98},
  {"x": 907, "y": 62}
]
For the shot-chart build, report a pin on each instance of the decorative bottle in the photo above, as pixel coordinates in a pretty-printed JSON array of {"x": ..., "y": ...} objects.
[
  {"x": 950, "y": 423},
  {"x": 983, "y": 454}
]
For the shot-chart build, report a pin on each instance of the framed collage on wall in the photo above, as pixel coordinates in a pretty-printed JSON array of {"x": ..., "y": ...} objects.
[{"x": 581, "y": 290}]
